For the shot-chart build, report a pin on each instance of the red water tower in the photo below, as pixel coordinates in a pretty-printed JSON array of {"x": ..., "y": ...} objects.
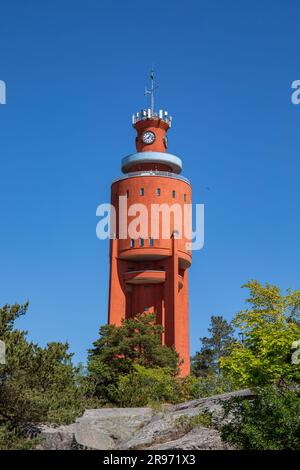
[{"x": 150, "y": 273}]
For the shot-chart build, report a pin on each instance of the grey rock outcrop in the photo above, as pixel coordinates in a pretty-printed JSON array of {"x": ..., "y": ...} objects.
[
  {"x": 141, "y": 428},
  {"x": 103, "y": 429},
  {"x": 199, "y": 438},
  {"x": 54, "y": 438}
]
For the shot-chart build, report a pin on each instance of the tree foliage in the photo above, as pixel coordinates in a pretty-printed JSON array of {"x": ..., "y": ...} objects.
[
  {"x": 145, "y": 386},
  {"x": 119, "y": 349},
  {"x": 205, "y": 363},
  {"x": 269, "y": 422},
  {"x": 269, "y": 327},
  {"x": 36, "y": 384}
]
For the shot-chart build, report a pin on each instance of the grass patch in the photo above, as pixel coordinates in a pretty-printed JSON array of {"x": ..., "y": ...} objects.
[{"x": 184, "y": 424}]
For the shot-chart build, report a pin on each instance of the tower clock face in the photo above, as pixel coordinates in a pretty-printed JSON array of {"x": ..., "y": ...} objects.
[{"x": 148, "y": 137}]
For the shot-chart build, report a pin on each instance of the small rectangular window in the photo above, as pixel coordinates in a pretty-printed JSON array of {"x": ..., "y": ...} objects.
[
  {"x": 173, "y": 193},
  {"x": 141, "y": 242},
  {"x": 158, "y": 192},
  {"x": 142, "y": 191},
  {"x": 184, "y": 197},
  {"x": 127, "y": 193},
  {"x": 132, "y": 243},
  {"x": 151, "y": 241}
]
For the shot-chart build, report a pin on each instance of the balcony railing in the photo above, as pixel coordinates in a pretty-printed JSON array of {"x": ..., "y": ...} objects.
[{"x": 165, "y": 174}]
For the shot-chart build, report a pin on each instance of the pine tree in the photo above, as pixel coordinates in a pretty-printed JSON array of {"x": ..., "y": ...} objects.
[
  {"x": 205, "y": 363},
  {"x": 118, "y": 349},
  {"x": 36, "y": 384}
]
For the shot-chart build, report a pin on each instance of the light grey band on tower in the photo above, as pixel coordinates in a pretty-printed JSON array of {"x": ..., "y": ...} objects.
[{"x": 151, "y": 157}]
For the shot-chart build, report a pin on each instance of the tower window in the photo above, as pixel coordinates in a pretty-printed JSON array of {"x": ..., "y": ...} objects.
[
  {"x": 132, "y": 243},
  {"x": 151, "y": 241},
  {"x": 184, "y": 197},
  {"x": 173, "y": 193},
  {"x": 141, "y": 242},
  {"x": 158, "y": 192},
  {"x": 127, "y": 193},
  {"x": 142, "y": 192}
]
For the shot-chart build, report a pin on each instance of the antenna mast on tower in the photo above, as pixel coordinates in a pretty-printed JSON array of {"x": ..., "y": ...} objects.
[
  {"x": 151, "y": 92},
  {"x": 150, "y": 113}
]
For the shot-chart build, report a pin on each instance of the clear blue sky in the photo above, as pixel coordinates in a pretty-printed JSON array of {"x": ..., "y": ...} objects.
[{"x": 75, "y": 72}]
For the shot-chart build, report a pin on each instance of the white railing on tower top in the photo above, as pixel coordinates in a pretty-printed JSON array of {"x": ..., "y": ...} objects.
[{"x": 165, "y": 174}]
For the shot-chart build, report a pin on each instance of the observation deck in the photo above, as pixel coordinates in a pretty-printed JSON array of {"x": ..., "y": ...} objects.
[
  {"x": 163, "y": 158},
  {"x": 164, "y": 174}
]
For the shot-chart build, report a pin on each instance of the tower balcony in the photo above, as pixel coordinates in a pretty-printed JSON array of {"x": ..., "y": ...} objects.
[
  {"x": 164, "y": 174},
  {"x": 145, "y": 277},
  {"x": 149, "y": 276},
  {"x": 153, "y": 158}
]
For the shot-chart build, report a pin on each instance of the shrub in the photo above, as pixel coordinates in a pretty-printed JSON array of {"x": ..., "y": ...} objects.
[
  {"x": 205, "y": 386},
  {"x": 269, "y": 422},
  {"x": 147, "y": 386}
]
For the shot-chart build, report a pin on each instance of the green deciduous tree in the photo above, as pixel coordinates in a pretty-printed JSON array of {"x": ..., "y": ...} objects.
[{"x": 269, "y": 327}]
